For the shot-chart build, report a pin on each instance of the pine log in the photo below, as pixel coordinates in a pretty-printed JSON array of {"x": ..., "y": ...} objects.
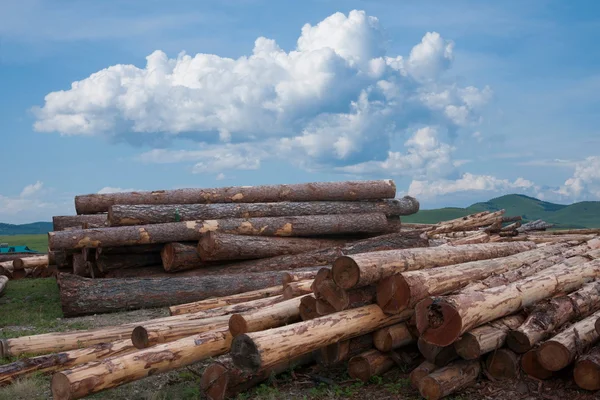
[
  {"x": 323, "y": 274},
  {"x": 503, "y": 364},
  {"x": 181, "y": 256},
  {"x": 31, "y": 262},
  {"x": 308, "y": 308},
  {"x": 68, "y": 359},
  {"x": 108, "y": 262},
  {"x": 3, "y": 282},
  {"x": 481, "y": 237},
  {"x": 469, "y": 222},
  {"x": 136, "y": 249},
  {"x": 562, "y": 349},
  {"x": 324, "y": 308},
  {"x": 365, "y": 269},
  {"x": 534, "y": 225},
  {"x": 222, "y": 380},
  {"x": 368, "y": 364},
  {"x": 587, "y": 370},
  {"x": 440, "y": 356},
  {"x": 11, "y": 256},
  {"x": 81, "y": 296},
  {"x": 217, "y": 302},
  {"x": 289, "y": 277},
  {"x": 96, "y": 376},
  {"x": 295, "y": 289},
  {"x": 549, "y": 315},
  {"x": 121, "y": 215},
  {"x": 153, "y": 271},
  {"x": 393, "y": 337},
  {"x": 340, "y": 299},
  {"x": 60, "y": 223},
  {"x": 256, "y": 350},
  {"x": 486, "y": 338},
  {"x": 422, "y": 370},
  {"x": 532, "y": 367},
  {"x": 59, "y": 258},
  {"x": 80, "y": 266},
  {"x": 450, "y": 379},
  {"x": 405, "y": 290},
  {"x": 260, "y": 319},
  {"x": 442, "y": 320},
  {"x": 339, "y": 352}
]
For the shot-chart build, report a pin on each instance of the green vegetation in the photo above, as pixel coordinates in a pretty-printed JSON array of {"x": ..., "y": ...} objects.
[
  {"x": 35, "y": 228},
  {"x": 578, "y": 215},
  {"x": 37, "y": 242}
]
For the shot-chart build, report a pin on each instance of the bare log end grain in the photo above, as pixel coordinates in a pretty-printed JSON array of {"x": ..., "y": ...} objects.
[
  {"x": 553, "y": 356},
  {"x": 214, "y": 381},
  {"x": 438, "y": 322},
  {"x": 587, "y": 370},
  {"x": 502, "y": 364},
  {"x": 467, "y": 347},
  {"x": 140, "y": 338},
  {"x": 308, "y": 308},
  {"x": 393, "y": 294},
  {"x": 518, "y": 342},
  {"x": 61, "y": 387},
  {"x": 346, "y": 272},
  {"x": 237, "y": 325},
  {"x": 532, "y": 367}
]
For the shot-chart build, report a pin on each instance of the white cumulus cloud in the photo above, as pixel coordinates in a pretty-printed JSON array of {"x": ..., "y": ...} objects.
[
  {"x": 585, "y": 182},
  {"x": 31, "y": 190},
  {"x": 467, "y": 182}
]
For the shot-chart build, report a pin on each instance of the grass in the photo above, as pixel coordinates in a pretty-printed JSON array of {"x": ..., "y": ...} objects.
[{"x": 35, "y": 242}]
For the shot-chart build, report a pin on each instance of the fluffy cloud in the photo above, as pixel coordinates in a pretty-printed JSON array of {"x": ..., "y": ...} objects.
[
  {"x": 32, "y": 204},
  {"x": 31, "y": 190},
  {"x": 109, "y": 189},
  {"x": 585, "y": 182},
  {"x": 467, "y": 182}
]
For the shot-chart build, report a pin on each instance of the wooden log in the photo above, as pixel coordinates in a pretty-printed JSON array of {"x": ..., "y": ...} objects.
[
  {"x": 549, "y": 315},
  {"x": 423, "y": 370},
  {"x": 259, "y": 319},
  {"x": 365, "y": 269},
  {"x": 3, "y": 282},
  {"x": 153, "y": 271},
  {"x": 323, "y": 191},
  {"x": 289, "y": 277},
  {"x": 215, "y": 246},
  {"x": 368, "y": 364},
  {"x": 481, "y": 237},
  {"x": 222, "y": 380},
  {"x": 60, "y": 259},
  {"x": 440, "y": 356},
  {"x": 534, "y": 226},
  {"x": 121, "y": 215},
  {"x": 53, "y": 362},
  {"x": 532, "y": 367},
  {"x": 442, "y": 320},
  {"x": 449, "y": 379},
  {"x": 80, "y": 266},
  {"x": 30, "y": 262},
  {"x": 308, "y": 308},
  {"x": 405, "y": 290},
  {"x": 181, "y": 256},
  {"x": 108, "y": 262},
  {"x": 339, "y": 299},
  {"x": 12, "y": 256},
  {"x": 598, "y": 326},
  {"x": 339, "y": 352},
  {"x": 101, "y": 375},
  {"x": 587, "y": 370},
  {"x": 393, "y": 337},
  {"x": 562, "y": 349},
  {"x": 486, "y": 338},
  {"x": 60, "y": 223},
  {"x": 503, "y": 364},
  {"x": 295, "y": 289},
  {"x": 256, "y": 350},
  {"x": 135, "y": 249},
  {"x": 469, "y": 222}
]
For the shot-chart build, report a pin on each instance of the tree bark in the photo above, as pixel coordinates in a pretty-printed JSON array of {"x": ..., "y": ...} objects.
[
  {"x": 423, "y": 370},
  {"x": 153, "y": 271},
  {"x": 467, "y": 223},
  {"x": 136, "y": 249},
  {"x": 260, "y": 319},
  {"x": 503, "y": 364},
  {"x": 214, "y": 246},
  {"x": 486, "y": 338},
  {"x": 289, "y": 277},
  {"x": 60, "y": 258},
  {"x": 442, "y": 320},
  {"x": 101, "y": 375},
  {"x": 549, "y": 315},
  {"x": 308, "y": 308},
  {"x": 560, "y": 351},
  {"x": 108, "y": 262},
  {"x": 222, "y": 380},
  {"x": 393, "y": 337},
  {"x": 532, "y": 367},
  {"x": 368, "y": 364},
  {"x": 256, "y": 350},
  {"x": 481, "y": 237},
  {"x": 121, "y": 215},
  {"x": 80, "y": 266},
  {"x": 340, "y": 299},
  {"x": 295, "y": 289},
  {"x": 366, "y": 269},
  {"x": 338, "y": 352},
  {"x": 405, "y": 290},
  {"x": 534, "y": 226},
  {"x": 323, "y": 191},
  {"x": 3, "y": 282},
  {"x": 58, "y": 361},
  {"x": 587, "y": 370},
  {"x": 60, "y": 223},
  {"x": 80, "y": 296},
  {"x": 440, "y": 356},
  {"x": 450, "y": 379},
  {"x": 181, "y": 256}
]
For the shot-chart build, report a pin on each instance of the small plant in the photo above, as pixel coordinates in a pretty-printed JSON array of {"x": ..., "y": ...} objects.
[
  {"x": 398, "y": 386},
  {"x": 376, "y": 380}
]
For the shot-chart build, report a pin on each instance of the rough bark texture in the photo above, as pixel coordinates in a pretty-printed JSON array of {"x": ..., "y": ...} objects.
[
  {"x": 532, "y": 367},
  {"x": 393, "y": 337},
  {"x": 140, "y": 248},
  {"x": 368, "y": 364},
  {"x": 214, "y": 246},
  {"x": 3, "y": 282},
  {"x": 109, "y": 262},
  {"x": 60, "y": 223},
  {"x": 486, "y": 338},
  {"x": 153, "y": 271},
  {"x": 80, "y": 266},
  {"x": 222, "y": 380},
  {"x": 560, "y": 351},
  {"x": 295, "y": 289},
  {"x": 438, "y": 355},
  {"x": 121, "y": 215},
  {"x": 423, "y": 370},
  {"x": 442, "y": 320},
  {"x": 503, "y": 364},
  {"x": 452, "y": 378},
  {"x": 340, "y": 299},
  {"x": 549, "y": 315},
  {"x": 405, "y": 290},
  {"x": 338, "y": 352},
  {"x": 466, "y": 223},
  {"x": 537, "y": 225},
  {"x": 181, "y": 256},
  {"x": 587, "y": 370},
  {"x": 256, "y": 350},
  {"x": 308, "y": 308},
  {"x": 324, "y": 191},
  {"x": 81, "y": 296},
  {"x": 101, "y": 375},
  {"x": 365, "y": 269},
  {"x": 260, "y": 319}
]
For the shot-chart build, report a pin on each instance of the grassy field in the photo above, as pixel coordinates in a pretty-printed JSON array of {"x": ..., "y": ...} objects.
[{"x": 35, "y": 242}]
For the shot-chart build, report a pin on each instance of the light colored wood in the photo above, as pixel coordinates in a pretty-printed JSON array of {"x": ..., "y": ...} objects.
[
  {"x": 263, "y": 318},
  {"x": 449, "y": 379},
  {"x": 503, "y": 364},
  {"x": 393, "y": 337},
  {"x": 417, "y": 374},
  {"x": 309, "y": 273},
  {"x": 339, "y": 299},
  {"x": 587, "y": 370},
  {"x": 295, "y": 289},
  {"x": 30, "y": 262},
  {"x": 486, "y": 338},
  {"x": 466, "y": 223},
  {"x": 3, "y": 282}
]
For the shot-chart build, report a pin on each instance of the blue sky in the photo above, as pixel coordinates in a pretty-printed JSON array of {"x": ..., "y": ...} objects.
[{"x": 456, "y": 101}]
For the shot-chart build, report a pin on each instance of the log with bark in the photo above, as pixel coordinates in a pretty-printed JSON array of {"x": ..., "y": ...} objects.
[
  {"x": 61, "y": 259},
  {"x": 108, "y": 262},
  {"x": 324, "y": 191},
  {"x": 466, "y": 223},
  {"x": 60, "y": 223},
  {"x": 289, "y": 277},
  {"x": 537, "y": 225},
  {"x": 481, "y": 237},
  {"x": 532, "y": 367},
  {"x": 181, "y": 256},
  {"x": 486, "y": 338},
  {"x": 308, "y": 308},
  {"x": 30, "y": 262},
  {"x": 260, "y": 319},
  {"x": 295, "y": 289},
  {"x": 503, "y": 364},
  {"x": 562, "y": 349},
  {"x": 442, "y": 320},
  {"x": 393, "y": 337},
  {"x": 80, "y": 266},
  {"x": 341, "y": 351},
  {"x": 366, "y": 269},
  {"x": 439, "y": 355},
  {"x": 422, "y": 370},
  {"x": 13, "y": 256},
  {"x": 449, "y": 379},
  {"x": 145, "y": 214},
  {"x": 587, "y": 370},
  {"x": 370, "y": 363},
  {"x": 338, "y": 299},
  {"x": 405, "y": 290},
  {"x": 3, "y": 282},
  {"x": 257, "y": 350},
  {"x": 96, "y": 376}
]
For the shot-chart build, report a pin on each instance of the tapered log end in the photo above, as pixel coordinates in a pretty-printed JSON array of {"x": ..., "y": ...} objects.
[
  {"x": 308, "y": 308},
  {"x": 61, "y": 387},
  {"x": 214, "y": 381},
  {"x": 532, "y": 367},
  {"x": 174, "y": 310},
  {"x": 359, "y": 368},
  {"x": 438, "y": 322},
  {"x": 167, "y": 254},
  {"x": 587, "y": 375},
  {"x": 346, "y": 273},
  {"x": 553, "y": 356},
  {"x": 430, "y": 389},
  {"x": 237, "y": 325},
  {"x": 322, "y": 307},
  {"x": 502, "y": 364},
  {"x": 467, "y": 347},
  {"x": 139, "y": 337},
  {"x": 337, "y": 298},
  {"x": 245, "y": 354},
  {"x": 206, "y": 245},
  {"x": 518, "y": 342},
  {"x": 393, "y": 294}
]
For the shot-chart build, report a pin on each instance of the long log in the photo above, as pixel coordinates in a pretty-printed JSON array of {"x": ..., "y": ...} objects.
[
  {"x": 96, "y": 376},
  {"x": 12, "y": 256},
  {"x": 422, "y": 370},
  {"x": 503, "y": 364},
  {"x": 121, "y": 215},
  {"x": 339, "y": 352},
  {"x": 587, "y": 370},
  {"x": 289, "y": 277},
  {"x": 108, "y": 262},
  {"x": 80, "y": 266},
  {"x": 256, "y": 350},
  {"x": 324, "y": 191},
  {"x": 339, "y": 299},
  {"x": 3, "y": 282},
  {"x": 215, "y": 246},
  {"x": 152, "y": 271},
  {"x": 308, "y": 308},
  {"x": 136, "y": 249},
  {"x": 181, "y": 256},
  {"x": 222, "y": 380},
  {"x": 450, "y": 379},
  {"x": 442, "y": 320},
  {"x": 549, "y": 315},
  {"x": 365, "y": 269},
  {"x": 562, "y": 349},
  {"x": 439, "y": 355},
  {"x": 264, "y": 318},
  {"x": 486, "y": 338},
  {"x": 60, "y": 223},
  {"x": 368, "y": 364},
  {"x": 405, "y": 290},
  {"x": 30, "y": 262},
  {"x": 469, "y": 222},
  {"x": 532, "y": 367},
  {"x": 295, "y": 289},
  {"x": 393, "y": 337}
]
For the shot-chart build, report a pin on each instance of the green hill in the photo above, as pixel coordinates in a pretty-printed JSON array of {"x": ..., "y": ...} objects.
[
  {"x": 35, "y": 228},
  {"x": 579, "y": 215}
]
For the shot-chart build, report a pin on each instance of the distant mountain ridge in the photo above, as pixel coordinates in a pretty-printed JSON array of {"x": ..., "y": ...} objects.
[
  {"x": 33, "y": 228},
  {"x": 585, "y": 214}
]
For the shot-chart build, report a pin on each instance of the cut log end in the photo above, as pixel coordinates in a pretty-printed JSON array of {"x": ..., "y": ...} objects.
[
  {"x": 245, "y": 354},
  {"x": 359, "y": 368},
  {"x": 18, "y": 263},
  {"x": 519, "y": 342},
  {"x": 139, "y": 337},
  {"x": 430, "y": 388},
  {"x": 587, "y": 375},
  {"x": 502, "y": 364},
  {"x": 467, "y": 347},
  {"x": 346, "y": 272},
  {"x": 308, "y": 308},
  {"x": 237, "y": 325},
  {"x": 597, "y": 326},
  {"x": 553, "y": 356},
  {"x": 393, "y": 294},
  {"x": 168, "y": 256},
  {"x": 61, "y": 387},
  {"x": 214, "y": 381},
  {"x": 438, "y": 322},
  {"x": 3, "y": 349},
  {"x": 532, "y": 367}
]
